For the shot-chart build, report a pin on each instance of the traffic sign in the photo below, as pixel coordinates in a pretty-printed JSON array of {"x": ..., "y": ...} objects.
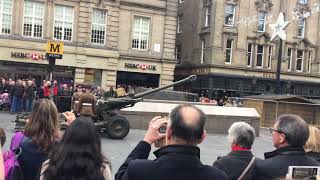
[{"x": 55, "y": 49}]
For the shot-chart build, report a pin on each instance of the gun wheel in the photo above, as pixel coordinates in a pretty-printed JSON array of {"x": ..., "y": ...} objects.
[{"x": 118, "y": 127}]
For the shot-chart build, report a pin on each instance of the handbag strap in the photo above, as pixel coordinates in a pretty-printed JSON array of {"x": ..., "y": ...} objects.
[{"x": 247, "y": 168}]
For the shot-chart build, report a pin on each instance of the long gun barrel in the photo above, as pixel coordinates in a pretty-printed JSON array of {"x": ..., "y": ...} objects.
[{"x": 188, "y": 79}]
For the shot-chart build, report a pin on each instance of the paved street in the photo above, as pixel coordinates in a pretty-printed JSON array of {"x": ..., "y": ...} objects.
[{"x": 117, "y": 150}]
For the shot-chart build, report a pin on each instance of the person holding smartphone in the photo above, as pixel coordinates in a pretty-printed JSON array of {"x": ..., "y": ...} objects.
[{"x": 179, "y": 158}]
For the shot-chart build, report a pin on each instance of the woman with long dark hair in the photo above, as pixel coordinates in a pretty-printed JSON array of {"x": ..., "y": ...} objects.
[
  {"x": 41, "y": 134},
  {"x": 78, "y": 155}
]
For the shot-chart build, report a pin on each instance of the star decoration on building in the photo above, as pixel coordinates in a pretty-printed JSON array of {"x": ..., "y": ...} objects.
[{"x": 279, "y": 28}]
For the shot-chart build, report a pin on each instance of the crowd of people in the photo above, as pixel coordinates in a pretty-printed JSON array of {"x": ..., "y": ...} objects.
[
  {"x": 226, "y": 101},
  {"x": 48, "y": 154},
  {"x": 20, "y": 95}
]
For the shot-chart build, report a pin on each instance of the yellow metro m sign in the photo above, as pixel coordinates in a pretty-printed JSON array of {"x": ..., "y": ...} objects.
[{"x": 55, "y": 49}]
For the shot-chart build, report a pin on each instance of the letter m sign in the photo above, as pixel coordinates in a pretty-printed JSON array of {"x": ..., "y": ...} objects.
[{"x": 55, "y": 50}]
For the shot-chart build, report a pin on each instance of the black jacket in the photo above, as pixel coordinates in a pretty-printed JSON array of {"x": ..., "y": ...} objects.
[
  {"x": 174, "y": 162},
  {"x": 18, "y": 91},
  {"x": 314, "y": 155},
  {"x": 31, "y": 159},
  {"x": 277, "y": 162},
  {"x": 29, "y": 92},
  {"x": 3, "y": 88},
  {"x": 238, "y": 160}
]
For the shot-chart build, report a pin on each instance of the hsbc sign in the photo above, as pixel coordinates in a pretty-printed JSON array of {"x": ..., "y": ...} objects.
[
  {"x": 33, "y": 56},
  {"x": 140, "y": 66}
]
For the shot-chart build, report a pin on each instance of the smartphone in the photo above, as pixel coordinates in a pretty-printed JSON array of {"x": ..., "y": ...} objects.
[
  {"x": 304, "y": 172},
  {"x": 163, "y": 128}
]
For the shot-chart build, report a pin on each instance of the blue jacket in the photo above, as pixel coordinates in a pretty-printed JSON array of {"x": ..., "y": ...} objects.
[
  {"x": 174, "y": 162},
  {"x": 31, "y": 159}
]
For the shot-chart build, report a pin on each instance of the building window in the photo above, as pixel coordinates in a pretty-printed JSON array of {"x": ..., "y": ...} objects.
[
  {"x": 141, "y": 28},
  {"x": 301, "y": 27},
  {"x": 208, "y": 16},
  {"x": 309, "y": 61},
  {"x": 98, "y": 26},
  {"x": 203, "y": 51},
  {"x": 180, "y": 24},
  {"x": 33, "y": 19},
  {"x": 63, "y": 22},
  {"x": 270, "y": 57},
  {"x": 178, "y": 53},
  {"x": 249, "y": 58},
  {"x": 262, "y": 21},
  {"x": 300, "y": 58},
  {"x": 229, "y": 14},
  {"x": 303, "y": 2},
  {"x": 289, "y": 54},
  {"x": 229, "y": 51},
  {"x": 5, "y": 16},
  {"x": 181, "y": 1},
  {"x": 260, "y": 55}
]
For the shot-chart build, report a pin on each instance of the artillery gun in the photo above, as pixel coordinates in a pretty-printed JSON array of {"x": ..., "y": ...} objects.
[{"x": 107, "y": 119}]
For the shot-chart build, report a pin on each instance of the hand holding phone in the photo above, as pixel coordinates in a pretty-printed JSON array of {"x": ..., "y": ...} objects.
[{"x": 303, "y": 172}]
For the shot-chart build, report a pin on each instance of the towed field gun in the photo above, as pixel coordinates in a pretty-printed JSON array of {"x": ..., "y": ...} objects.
[{"x": 107, "y": 120}]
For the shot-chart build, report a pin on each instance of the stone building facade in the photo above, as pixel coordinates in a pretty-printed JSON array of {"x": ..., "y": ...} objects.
[
  {"x": 229, "y": 46},
  {"x": 107, "y": 42}
]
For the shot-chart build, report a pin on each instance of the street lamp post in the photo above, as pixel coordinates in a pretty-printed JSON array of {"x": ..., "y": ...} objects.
[{"x": 279, "y": 30}]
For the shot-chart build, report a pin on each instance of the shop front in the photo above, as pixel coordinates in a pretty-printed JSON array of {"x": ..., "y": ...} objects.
[
  {"x": 138, "y": 74},
  {"x": 38, "y": 72}
]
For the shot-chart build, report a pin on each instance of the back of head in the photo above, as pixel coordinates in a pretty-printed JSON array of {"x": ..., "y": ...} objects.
[
  {"x": 78, "y": 155},
  {"x": 313, "y": 143},
  {"x": 294, "y": 128},
  {"x": 241, "y": 134},
  {"x": 187, "y": 123},
  {"x": 43, "y": 124}
]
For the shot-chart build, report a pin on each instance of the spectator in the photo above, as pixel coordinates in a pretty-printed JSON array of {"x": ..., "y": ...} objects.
[
  {"x": 289, "y": 134},
  {"x": 312, "y": 146},
  {"x": 220, "y": 102},
  {"x": 2, "y": 137},
  {"x": 241, "y": 136},
  {"x": 55, "y": 88},
  {"x": 87, "y": 105},
  {"x": 17, "y": 93},
  {"x": 29, "y": 96},
  {"x": 78, "y": 155},
  {"x": 180, "y": 159},
  {"x": 3, "y": 86},
  {"x": 46, "y": 90},
  {"x": 41, "y": 134},
  {"x": 109, "y": 93}
]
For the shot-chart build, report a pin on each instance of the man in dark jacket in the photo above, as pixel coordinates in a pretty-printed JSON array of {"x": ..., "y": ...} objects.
[
  {"x": 241, "y": 136},
  {"x": 180, "y": 158},
  {"x": 289, "y": 135},
  {"x": 17, "y": 93},
  {"x": 29, "y": 96}
]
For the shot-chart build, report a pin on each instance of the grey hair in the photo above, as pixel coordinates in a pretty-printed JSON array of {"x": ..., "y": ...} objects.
[
  {"x": 241, "y": 134},
  {"x": 294, "y": 128}
]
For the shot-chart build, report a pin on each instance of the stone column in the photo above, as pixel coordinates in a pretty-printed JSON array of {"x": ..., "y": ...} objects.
[{"x": 79, "y": 75}]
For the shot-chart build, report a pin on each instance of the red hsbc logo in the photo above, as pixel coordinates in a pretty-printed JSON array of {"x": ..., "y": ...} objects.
[
  {"x": 140, "y": 66},
  {"x": 35, "y": 57}
]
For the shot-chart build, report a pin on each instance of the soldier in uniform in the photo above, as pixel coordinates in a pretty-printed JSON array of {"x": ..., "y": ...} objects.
[
  {"x": 87, "y": 105},
  {"x": 76, "y": 100}
]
